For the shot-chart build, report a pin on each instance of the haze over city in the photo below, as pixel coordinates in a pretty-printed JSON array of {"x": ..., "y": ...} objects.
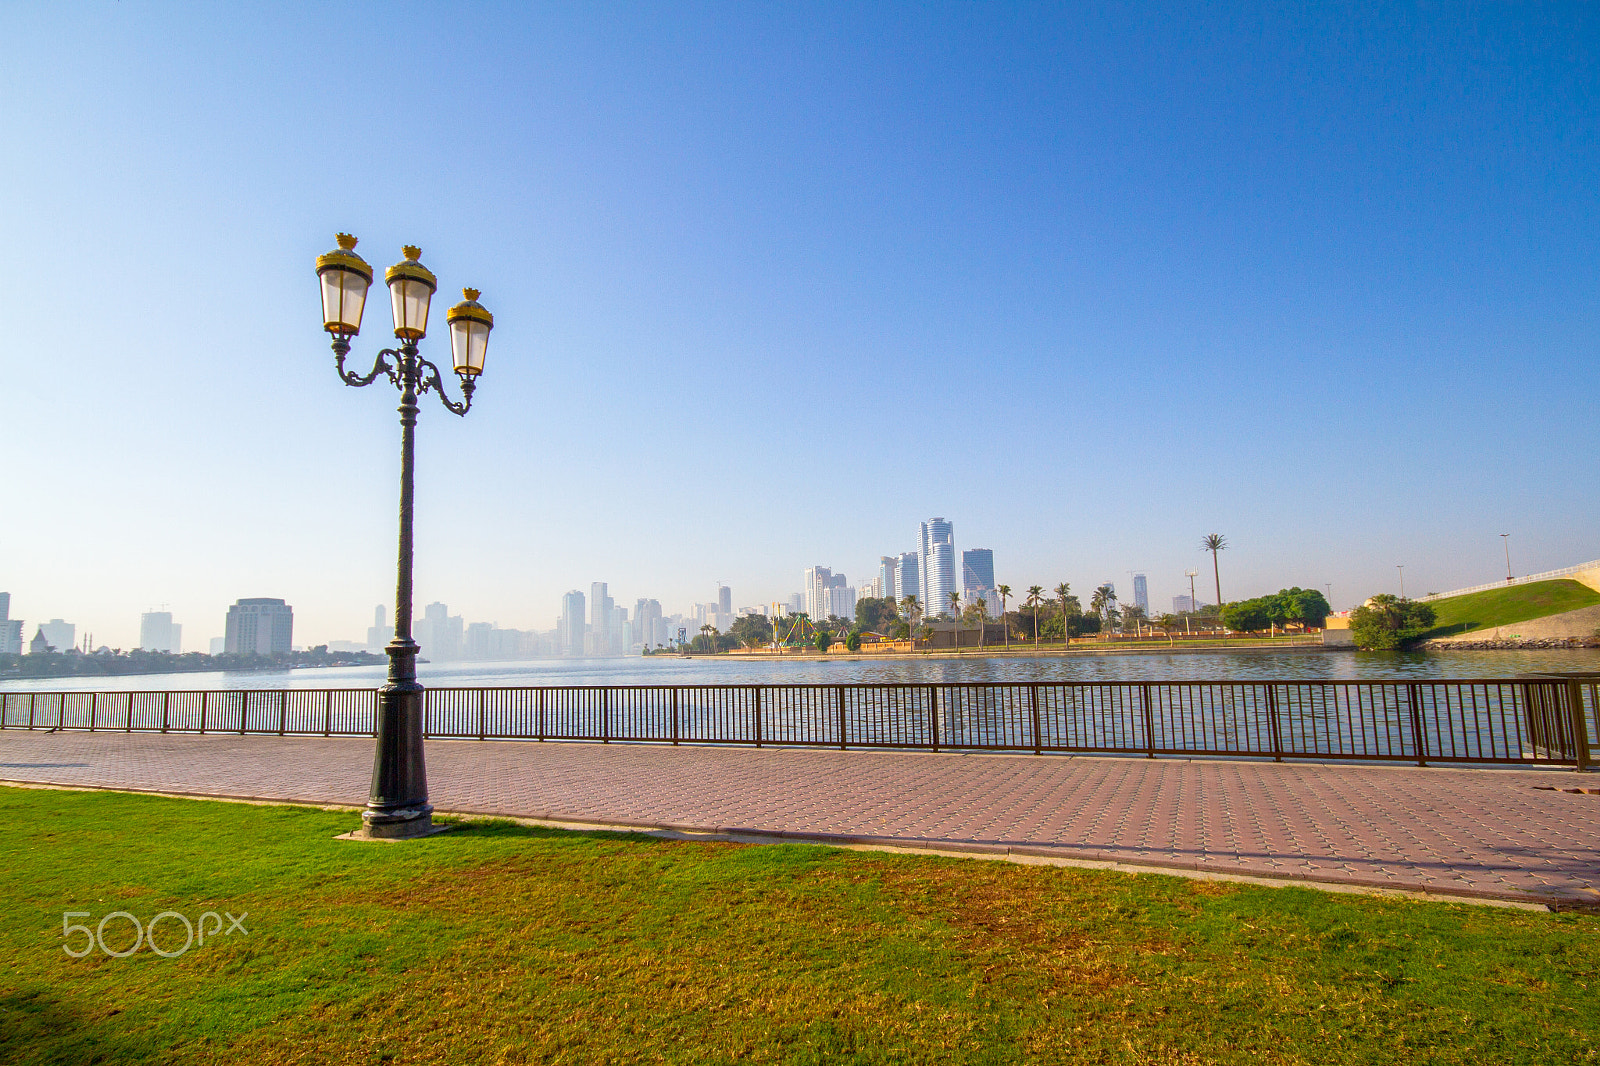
[{"x": 773, "y": 287}]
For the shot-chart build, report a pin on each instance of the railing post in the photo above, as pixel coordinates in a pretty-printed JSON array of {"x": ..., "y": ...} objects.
[
  {"x": 758, "y": 714},
  {"x": 481, "y": 715},
  {"x": 933, "y": 702},
  {"x": 1033, "y": 712},
  {"x": 838, "y": 698},
  {"x": 166, "y": 703},
  {"x": 127, "y": 723},
  {"x": 61, "y": 713},
  {"x": 327, "y": 714},
  {"x": 1580, "y": 724},
  {"x": 31, "y": 697},
  {"x": 1272, "y": 712},
  {"x": 1149, "y": 721},
  {"x": 283, "y": 710},
  {"x": 204, "y": 696},
  {"x": 1416, "y": 724},
  {"x": 244, "y": 712},
  {"x": 605, "y": 716},
  {"x": 94, "y": 705},
  {"x": 933, "y": 717},
  {"x": 674, "y": 716},
  {"x": 538, "y": 710}
]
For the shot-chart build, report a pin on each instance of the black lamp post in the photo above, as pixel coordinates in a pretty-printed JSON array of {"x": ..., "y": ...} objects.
[{"x": 398, "y": 807}]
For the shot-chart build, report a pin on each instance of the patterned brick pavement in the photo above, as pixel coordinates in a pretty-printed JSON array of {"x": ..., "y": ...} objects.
[{"x": 1495, "y": 833}]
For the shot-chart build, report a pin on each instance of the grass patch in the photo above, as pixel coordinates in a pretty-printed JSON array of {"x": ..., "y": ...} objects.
[
  {"x": 1507, "y": 606},
  {"x": 500, "y": 943}
]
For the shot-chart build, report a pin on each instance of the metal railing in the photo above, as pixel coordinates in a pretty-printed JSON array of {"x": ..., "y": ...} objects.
[
  {"x": 1526, "y": 579},
  {"x": 1533, "y": 720}
]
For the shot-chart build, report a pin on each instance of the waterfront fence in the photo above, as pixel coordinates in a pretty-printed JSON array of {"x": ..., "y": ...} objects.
[{"x": 1542, "y": 719}]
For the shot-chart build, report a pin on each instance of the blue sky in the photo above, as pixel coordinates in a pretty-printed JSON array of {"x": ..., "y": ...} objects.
[{"x": 774, "y": 283}]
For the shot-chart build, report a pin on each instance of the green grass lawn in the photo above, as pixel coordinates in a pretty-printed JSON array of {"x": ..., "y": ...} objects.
[
  {"x": 500, "y": 943},
  {"x": 1503, "y": 607}
]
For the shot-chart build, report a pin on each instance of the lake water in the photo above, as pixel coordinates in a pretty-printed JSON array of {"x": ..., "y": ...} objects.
[{"x": 1308, "y": 664}]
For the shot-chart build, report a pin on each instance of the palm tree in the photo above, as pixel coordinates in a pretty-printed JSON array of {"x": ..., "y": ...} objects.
[
  {"x": 1005, "y": 594},
  {"x": 1035, "y": 598},
  {"x": 983, "y": 617},
  {"x": 1061, "y": 593},
  {"x": 909, "y": 606},
  {"x": 1104, "y": 603},
  {"x": 955, "y": 614},
  {"x": 1214, "y": 543},
  {"x": 709, "y": 632}
]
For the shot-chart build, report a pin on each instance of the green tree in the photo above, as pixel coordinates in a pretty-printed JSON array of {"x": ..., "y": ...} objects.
[
  {"x": 875, "y": 614},
  {"x": 853, "y": 641},
  {"x": 751, "y": 630},
  {"x": 1214, "y": 543},
  {"x": 1005, "y": 594},
  {"x": 1035, "y": 598},
  {"x": 911, "y": 608},
  {"x": 1386, "y": 622},
  {"x": 1063, "y": 591},
  {"x": 824, "y": 640}
]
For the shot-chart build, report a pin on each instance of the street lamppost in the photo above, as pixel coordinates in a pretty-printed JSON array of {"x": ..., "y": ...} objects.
[
  {"x": 1505, "y": 538},
  {"x": 1401, "y": 567},
  {"x": 398, "y": 807}
]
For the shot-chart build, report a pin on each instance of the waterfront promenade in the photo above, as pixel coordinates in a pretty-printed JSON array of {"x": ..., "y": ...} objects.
[{"x": 1486, "y": 833}]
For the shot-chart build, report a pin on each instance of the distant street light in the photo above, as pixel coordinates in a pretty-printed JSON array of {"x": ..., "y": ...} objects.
[
  {"x": 1402, "y": 570},
  {"x": 398, "y": 807},
  {"x": 1505, "y": 538}
]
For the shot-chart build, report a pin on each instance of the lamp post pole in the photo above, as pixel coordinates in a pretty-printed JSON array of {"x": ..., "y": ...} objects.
[
  {"x": 1505, "y": 538},
  {"x": 1401, "y": 567},
  {"x": 397, "y": 807}
]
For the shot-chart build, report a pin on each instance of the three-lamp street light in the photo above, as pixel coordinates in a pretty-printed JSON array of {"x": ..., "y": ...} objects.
[{"x": 398, "y": 807}]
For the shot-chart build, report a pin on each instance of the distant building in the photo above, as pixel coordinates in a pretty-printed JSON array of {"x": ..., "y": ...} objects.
[
  {"x": 796, "y": 603},
  {"x": 937, "y": 563},
  {"x": 570, "y": 629},
  {"x": 259, "y": 627},
  {"x": 1141, "y": 594},
  {"x": 380, "y": 633},
  {"x": 10, "y": 628},
  {"x": 440, "y": 635},
  {"x": 977, "y": 580},
  {"x": 1182, "y": 604},
  {"x": 39, "y": 645},
  {"x": 907, "y": 579},
  {"x": 649, "y": 629},
  {"x": 158, "y": 632},
  {"x": 599, "y": 640},
  {"x": 59, "y": 635},
  {"x": 724, "y": 599},
  {"x": 218, "y": 645},
  {"x": 816, "y": 583},
  {"x": 888, "y": 568},
  {"x": 839, "y": 601}
]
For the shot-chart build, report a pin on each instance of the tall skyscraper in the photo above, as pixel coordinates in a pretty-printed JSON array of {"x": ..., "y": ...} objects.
[
  {"x": 724, "y": 600},
  {"x": 977, "y": 579},
  {"x": 570, "y": 629},
  {"x": 888, "y": 568},
  {"x": 600, "y": 640},
  {"x": 259, "y": 627},
  {"x": 1141, "y": 594},
  {"x": 818, "y": 580},
  {"x": 380, "y": 633},
  {"x": 10, "y": 628},
  {"x": 648, "y": 627},
  {"x": 907, "y": 578},
  {"x": 1182, "y": 604},
  {"x": 157, "y": 632},
  {"x": 937, "y": 552}
]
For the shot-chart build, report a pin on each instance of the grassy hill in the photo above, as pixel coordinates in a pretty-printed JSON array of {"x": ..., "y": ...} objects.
[{"x": 1503, "y": 607}]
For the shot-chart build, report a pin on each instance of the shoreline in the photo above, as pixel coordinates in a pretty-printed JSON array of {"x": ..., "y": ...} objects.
[{"x": 999, "y": 652}]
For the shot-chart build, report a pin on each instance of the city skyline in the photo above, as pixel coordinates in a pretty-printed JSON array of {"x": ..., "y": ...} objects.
[{"x": 1132, "y": 241}]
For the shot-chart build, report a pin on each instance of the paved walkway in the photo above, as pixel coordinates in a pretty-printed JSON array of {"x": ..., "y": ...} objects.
[{"x": 1509, "y": 834}]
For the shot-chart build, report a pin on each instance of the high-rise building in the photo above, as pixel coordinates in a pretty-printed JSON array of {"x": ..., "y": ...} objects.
[
  {"x": 621, "y": 631},
  {"x": 570, "y": 629},
  {"x": 10, "y": 628},
  {"x": 796, "y": 603},
  {"x": 977, "y": 580},
  {"x": 380, "y": 633},
  {"x": 907, "y": 578},
  {"x": 600, "y": 640},
  {"x": 1182, "y": 604},
  {"x": 439, "y": 634},
  {"x": 887, "y": 572},
  {"x": 59, "y": 635},
  {"x": 158, "y": 632},
  {"x": 649, "y": 629},
  {"x": 724, "y": 599},
  {"x": 937, "y": 563},
  {"x": 259, "y": 627},
  {"x": 1141, "y": 594},
  {"x": 818, "y": 579}
]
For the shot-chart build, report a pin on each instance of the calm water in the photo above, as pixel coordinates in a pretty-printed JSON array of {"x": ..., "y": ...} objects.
[{"x": 664, "y": 670}]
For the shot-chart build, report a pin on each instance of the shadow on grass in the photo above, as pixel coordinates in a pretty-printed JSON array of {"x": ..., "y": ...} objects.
[{"x": 36, "y": 1026}]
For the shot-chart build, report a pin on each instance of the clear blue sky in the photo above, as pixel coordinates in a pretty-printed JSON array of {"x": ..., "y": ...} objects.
[{"x": 774, "y": 283}]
